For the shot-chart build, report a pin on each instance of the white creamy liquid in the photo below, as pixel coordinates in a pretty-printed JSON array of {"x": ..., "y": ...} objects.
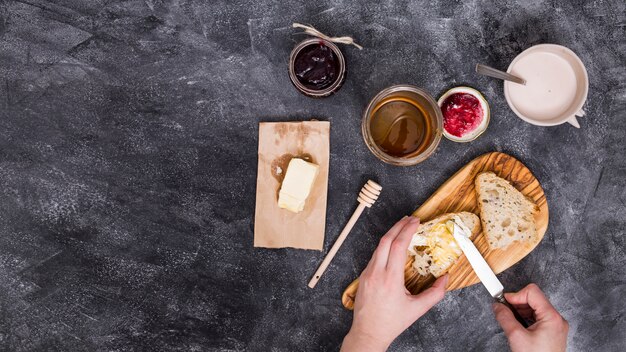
[{"x": 550, "y": 86}]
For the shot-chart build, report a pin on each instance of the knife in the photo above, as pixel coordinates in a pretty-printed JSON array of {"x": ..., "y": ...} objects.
[{"x": 483, "y": 271}]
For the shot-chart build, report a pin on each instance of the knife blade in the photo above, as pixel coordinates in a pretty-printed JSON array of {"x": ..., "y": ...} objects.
[{"x": 483, "y": 271}]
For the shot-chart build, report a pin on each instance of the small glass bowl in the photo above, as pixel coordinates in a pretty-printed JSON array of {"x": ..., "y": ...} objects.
[
  {"x": 481, "y": 128},
  {"x": 421, "y": 97},
  {"x": 312, "y": 92}
]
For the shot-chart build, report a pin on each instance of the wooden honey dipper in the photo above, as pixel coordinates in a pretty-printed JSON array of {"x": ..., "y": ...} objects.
[{"x": 368, "y": 195}]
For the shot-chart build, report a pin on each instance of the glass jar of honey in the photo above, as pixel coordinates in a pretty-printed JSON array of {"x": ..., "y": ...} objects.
[{"x": 402, "y": 125}]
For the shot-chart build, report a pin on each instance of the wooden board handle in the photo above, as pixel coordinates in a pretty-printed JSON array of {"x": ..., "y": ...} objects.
[{"x": 423, "y": 283}]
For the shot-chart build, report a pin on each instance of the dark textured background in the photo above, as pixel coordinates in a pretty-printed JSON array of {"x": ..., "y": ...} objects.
[{"x": 128, "y": 155}]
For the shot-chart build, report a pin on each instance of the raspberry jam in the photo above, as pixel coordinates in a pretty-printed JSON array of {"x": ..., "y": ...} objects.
[
  {"x": 316, "y": 66},
  {"x": 462, "y": 114}
]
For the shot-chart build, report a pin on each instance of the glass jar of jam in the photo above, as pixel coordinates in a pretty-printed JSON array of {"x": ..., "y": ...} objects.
[
  {"x": 317, "y": 67},
  {"x": 465, "y": 114}
]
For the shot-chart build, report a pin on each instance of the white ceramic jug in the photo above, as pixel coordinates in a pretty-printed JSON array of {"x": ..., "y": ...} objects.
[{"x": 556, "y": 86}]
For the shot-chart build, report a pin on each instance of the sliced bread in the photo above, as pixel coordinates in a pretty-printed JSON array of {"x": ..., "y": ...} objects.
[
  {"x": 507, "y": 215},
  {"x": 433, "y": 246}
]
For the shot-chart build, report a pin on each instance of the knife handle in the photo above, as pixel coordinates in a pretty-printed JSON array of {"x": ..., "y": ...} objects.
[{"x": 500, "y": 298}]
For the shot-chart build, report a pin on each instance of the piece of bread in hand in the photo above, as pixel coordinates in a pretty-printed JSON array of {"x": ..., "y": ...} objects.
[
  {"x": 433, "y": 246},
  {"x": 506, "y": 214}
]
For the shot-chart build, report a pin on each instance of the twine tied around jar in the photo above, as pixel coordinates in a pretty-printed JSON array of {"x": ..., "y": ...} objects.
[{"x": 314, "y": 32}]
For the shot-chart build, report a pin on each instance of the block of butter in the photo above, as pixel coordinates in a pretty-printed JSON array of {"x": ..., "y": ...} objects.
[{"x": 297, "y": 185}]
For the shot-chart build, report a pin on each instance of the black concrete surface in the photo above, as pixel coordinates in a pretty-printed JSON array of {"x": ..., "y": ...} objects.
[{"x": 128, "y": 155}]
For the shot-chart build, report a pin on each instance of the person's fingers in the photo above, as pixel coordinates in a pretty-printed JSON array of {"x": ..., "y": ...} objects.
[
  {"x": 523, "y": 309},
  {"x": 507, "y": 321},
  {"x": 441, "y": 283},
  {"x": 399, "y": 248},
  {"x": 526, "y": 313},
  {"x": 520, "y": 306},
  {"x": 368, "y": 267},
  {"x": 429, "y": 297},
  {"x": 534, "y": 297},
  {"x": 379, "y": 258}
]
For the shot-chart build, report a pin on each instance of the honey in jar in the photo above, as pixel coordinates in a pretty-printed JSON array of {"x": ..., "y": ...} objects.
[{"x": 401, "y": 127}]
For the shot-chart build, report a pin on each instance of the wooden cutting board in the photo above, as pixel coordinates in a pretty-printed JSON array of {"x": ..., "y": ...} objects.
[
  {"x": 279, "y": 142},
  {"x": 458, "y": 194}
]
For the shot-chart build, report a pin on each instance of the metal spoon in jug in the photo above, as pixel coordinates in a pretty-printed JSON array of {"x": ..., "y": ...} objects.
[{"x": 492, "y": 72}]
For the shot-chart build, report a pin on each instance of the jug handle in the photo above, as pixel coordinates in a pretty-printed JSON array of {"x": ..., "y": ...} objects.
[{"x": 572, "y": 120}]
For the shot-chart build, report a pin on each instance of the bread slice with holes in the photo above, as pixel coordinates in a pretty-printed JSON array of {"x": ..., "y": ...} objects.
[
  {"x": 507, "y": 215},
  {"x": 433, "y": 247}
]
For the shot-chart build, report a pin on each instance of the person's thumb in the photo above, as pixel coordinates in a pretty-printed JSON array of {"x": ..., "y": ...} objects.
[
  {"x": 507, "y": 321},
  {"x": 429, "y": 297}
]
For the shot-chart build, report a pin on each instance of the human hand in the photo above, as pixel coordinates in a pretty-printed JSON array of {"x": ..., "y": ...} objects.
[
  {"x": 383, "y": 307},
  {"x": 548, "y": 333}
]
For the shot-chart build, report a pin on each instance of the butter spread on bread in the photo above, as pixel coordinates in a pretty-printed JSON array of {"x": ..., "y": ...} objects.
[
  {"x": 507, "y": 215},
  {"x": 433, "y": 246}
]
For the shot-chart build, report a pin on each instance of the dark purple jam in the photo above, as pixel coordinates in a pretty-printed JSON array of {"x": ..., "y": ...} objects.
[{"x": 316, "y": 66}]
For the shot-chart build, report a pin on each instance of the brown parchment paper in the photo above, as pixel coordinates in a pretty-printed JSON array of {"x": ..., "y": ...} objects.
[{"x": 278, "y": 143}]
